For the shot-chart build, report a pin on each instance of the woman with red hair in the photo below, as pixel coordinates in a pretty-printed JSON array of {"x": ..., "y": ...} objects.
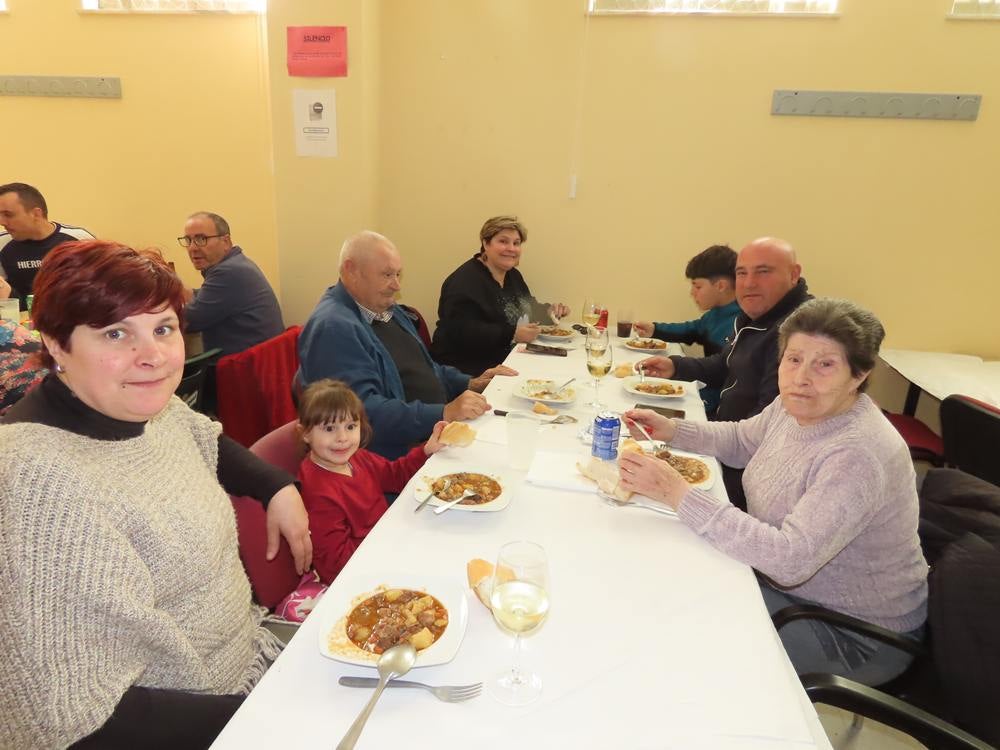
[{"x": 127, "y": 616}]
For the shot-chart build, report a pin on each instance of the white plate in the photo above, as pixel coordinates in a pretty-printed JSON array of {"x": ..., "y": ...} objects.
[
  {"x": 528, "y": 388},
  {"x": 347, "y": 594},
  {"x": 425, "y": 479},
  {"x": 659, "y": 350},
  {"x": 713, "y": 465},
  {"x": 630, "y": 384},
  {"x": 553, "y": 337}
]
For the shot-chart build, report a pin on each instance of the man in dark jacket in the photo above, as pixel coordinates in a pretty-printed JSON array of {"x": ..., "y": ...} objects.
[{"x": 768, "y": 288}]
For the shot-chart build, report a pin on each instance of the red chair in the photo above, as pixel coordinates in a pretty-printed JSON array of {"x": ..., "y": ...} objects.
[
  {"x": 923, "y": 442},
  {"x": 255, "y": 387},
  {"x": 970, "y": 430},
  {"x": 271, "y": 581}
]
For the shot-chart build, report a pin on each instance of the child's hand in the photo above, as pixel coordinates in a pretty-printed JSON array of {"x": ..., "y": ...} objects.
[{"x": 434, "y": 444}]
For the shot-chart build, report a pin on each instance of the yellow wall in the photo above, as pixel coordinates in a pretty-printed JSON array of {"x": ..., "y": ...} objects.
[
  {"x": 677, "y": 150},
  {"x": 190, "y": 133},
  {"x": 455, "y": 111},
  {"x": 320, "y": 201}
]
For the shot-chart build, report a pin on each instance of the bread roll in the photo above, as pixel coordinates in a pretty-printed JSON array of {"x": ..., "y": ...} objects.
[
  {"x": 540, "y": 408},
  {"x": 624, "y": 370},
  {"x": 607, "y": 476},
  {"x": 458, "y": 434}
]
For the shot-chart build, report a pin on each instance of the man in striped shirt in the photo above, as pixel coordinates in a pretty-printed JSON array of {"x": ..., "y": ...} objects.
[{"x": 28, "y": 237}]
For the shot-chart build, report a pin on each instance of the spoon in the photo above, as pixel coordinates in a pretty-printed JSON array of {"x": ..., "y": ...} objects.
[
  {"x": 561, "y": 419},
  {"x": 430, "y": 494},
  {"x": 467, "y": 494},
  {"x": 395, "y": 662},
  {"x": 560, "y": 388},
  {"x": 655, "y": 444}
]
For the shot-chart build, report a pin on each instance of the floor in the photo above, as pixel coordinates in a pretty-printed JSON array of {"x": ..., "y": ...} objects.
[{"x": 873, "y": 736}]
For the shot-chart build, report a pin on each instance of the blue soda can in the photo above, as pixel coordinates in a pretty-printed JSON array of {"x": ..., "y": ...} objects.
[{"x": 607, "y": 430}]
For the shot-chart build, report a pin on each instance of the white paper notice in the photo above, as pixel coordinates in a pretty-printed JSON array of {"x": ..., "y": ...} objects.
[{"x": 315, "y": 117}]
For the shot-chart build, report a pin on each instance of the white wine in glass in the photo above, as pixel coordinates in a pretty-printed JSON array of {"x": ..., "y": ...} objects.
[
  {"x": 599, "y": 360},
  {"x": 520, "y": 603},
  {"x": 591, "y": 312}
]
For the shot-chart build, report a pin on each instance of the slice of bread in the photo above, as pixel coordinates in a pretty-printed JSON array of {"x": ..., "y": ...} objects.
[
  {"x": 458, "y": 434},
  {"x": 607, "y": 477},
  {"x": 540, "y": 408},
  {"x": 624, "y": 370}
]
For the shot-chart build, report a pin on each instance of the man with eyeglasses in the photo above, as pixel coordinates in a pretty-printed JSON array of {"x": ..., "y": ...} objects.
[
  {"x": 235, "y": 308},
  {"x": 27, "y": 239}
]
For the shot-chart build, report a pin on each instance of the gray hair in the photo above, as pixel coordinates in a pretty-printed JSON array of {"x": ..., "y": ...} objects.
[
  {"x": 359, "y": 246},
  {"x": 851, "y": 326},
  {"x": 221, "y": 225}
]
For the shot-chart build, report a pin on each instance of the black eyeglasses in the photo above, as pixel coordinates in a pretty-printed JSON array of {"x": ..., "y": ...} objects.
[{"x": 199, "y": 240}]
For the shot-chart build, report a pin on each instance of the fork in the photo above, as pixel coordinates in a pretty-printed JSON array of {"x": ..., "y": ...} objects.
[
  {"x": 654, "y": 444},
  {"x": 446, "y": 693},
  {"x": 464, "y": 496},
  {"x": 430, "y": 494}
]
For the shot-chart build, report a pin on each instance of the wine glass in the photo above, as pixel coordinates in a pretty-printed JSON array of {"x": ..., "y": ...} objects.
[
  {"x": 520, "y": 602},
  {"x": 591, "y": 312},
  {"x": 599, "y": 360}
]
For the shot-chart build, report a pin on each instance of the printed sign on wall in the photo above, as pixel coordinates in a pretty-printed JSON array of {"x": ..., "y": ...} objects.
[{"x": 317, "y": 51}]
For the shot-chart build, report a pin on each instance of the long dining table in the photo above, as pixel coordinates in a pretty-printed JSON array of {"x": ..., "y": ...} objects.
[{"x": 654, "y": 639}]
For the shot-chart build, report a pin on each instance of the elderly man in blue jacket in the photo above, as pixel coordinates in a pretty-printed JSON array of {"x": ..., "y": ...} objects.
[{"x": 359, "y": 335}]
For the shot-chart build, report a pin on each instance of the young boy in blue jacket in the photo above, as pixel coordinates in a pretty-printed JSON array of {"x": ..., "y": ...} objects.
[{"x": 713, "y": 280}]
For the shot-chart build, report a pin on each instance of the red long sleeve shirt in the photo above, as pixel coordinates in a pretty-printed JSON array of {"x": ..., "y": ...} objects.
[{"x": 342, "y": 509}]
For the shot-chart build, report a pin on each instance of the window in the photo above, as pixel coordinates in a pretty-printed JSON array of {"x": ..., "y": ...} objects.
[
  {"x": 976, "y": 9},
  {"x": 719, "y": 7},
  {"x": 177, "y": 6}
]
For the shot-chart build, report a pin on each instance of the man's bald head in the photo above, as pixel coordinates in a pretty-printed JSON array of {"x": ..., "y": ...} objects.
[
  {"x": 766, "y": 270},
  {"x": 370, "y": 270}
]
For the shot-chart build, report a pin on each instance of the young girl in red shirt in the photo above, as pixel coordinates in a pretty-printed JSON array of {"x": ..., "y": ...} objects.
[{"x": 343, "y": 485}]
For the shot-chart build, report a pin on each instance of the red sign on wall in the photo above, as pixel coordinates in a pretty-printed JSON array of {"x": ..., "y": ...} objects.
[{"x": 317, "y": 51}]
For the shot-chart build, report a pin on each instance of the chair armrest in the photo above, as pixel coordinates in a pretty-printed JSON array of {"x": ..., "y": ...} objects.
[
  {"x": 861, "y": 699},
  {"x": 813, "y": 612}
]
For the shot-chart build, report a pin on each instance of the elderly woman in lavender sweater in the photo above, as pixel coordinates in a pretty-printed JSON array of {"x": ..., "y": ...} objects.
[{"x": 831, "y": 494}]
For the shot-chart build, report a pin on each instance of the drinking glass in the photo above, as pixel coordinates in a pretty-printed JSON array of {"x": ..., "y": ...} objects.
[
  {"x": 599, "y": 360},
  {"x": 520, "y": 602},
  {"x": 591, "y": 312},
  {"x": 625, "y": 320}
]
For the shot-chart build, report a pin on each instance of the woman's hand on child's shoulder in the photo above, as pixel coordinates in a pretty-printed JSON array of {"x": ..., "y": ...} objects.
[{"x": 434, "y": 444}]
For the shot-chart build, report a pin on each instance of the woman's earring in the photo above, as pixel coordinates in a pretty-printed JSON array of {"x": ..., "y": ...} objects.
[{"x": 60, "y": 368}]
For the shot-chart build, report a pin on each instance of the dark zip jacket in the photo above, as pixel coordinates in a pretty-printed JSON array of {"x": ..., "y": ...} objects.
[{"x": 746, "y": 370}]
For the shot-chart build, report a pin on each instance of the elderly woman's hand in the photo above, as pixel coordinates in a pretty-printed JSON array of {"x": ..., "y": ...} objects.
[
  {"x": 287, "y": 517},
  {"x": 653, "y": 478},
  {"x": 559, "y": 310},
  {"x": 658, "y": 426}
]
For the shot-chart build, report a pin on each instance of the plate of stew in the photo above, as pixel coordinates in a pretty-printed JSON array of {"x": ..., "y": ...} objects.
[
  {"x": 363, "y": 616},
  {"x": 491, "y": 489}
]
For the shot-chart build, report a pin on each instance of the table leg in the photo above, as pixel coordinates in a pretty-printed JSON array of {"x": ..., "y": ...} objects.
[{"x": 912, "y": 397}]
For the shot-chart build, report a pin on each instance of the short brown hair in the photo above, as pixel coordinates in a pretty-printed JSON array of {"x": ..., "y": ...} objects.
[
  {"x": 30, "y": 196},
  {"x": 329, "y": 400},
  {"x": 853, "y": 327},
  {"x": 715, "y": 262},
  {"x": 497, "y": 224},
  {"x": 96, "y": 283}
]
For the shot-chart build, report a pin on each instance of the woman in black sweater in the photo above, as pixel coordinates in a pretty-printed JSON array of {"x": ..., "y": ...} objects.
[{"x": 486, "y": 306}]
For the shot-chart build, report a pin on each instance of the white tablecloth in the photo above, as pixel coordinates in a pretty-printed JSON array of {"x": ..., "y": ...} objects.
[
  {"x": 941, "y": 374},
  {"x": 654, "y": 639}
]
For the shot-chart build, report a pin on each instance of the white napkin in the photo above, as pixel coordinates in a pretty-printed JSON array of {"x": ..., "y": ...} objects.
[{"x": 558, "y": 470}]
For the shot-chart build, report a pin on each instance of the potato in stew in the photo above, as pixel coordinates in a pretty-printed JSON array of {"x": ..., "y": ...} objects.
[
  {"x": 486, "y": 488},
  {"x": 395, "y": 616}
]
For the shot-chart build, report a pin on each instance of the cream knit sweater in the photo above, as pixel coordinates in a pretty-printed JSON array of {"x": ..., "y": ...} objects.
[{"x": 118, "y": 567}]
